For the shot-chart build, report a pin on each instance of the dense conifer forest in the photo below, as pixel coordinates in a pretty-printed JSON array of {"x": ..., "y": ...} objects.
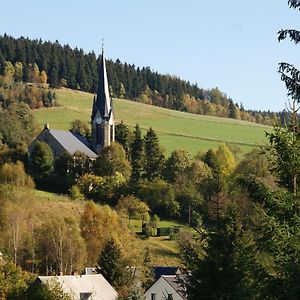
[{"x": 61, "y": 66}]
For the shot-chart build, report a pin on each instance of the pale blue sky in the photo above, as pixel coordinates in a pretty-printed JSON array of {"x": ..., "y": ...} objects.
[{"x": 229, "y": 44}]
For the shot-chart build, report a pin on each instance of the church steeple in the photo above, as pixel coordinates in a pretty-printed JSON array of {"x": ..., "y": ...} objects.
[{"x": 102, "y": 118}]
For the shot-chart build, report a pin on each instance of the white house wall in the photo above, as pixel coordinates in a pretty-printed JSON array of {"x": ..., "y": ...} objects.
[{"x": 162, "y": 288}]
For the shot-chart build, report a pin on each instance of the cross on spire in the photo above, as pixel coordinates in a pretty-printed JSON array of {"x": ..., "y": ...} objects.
[{"x": 102, "y": 41}]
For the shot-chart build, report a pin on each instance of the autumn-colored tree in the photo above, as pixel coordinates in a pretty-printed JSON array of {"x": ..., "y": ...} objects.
[
  {"x": 61, "y": 247},
  {"x": 99, "y": 224},
  {"x": 121, "y": 91},
  {"x": 112, "y": 159},
  {"x": 80, "y": 127},
  {"x": 133, "y": 207},
  {"x": 18, "y": 76},
  {"x": 35, "y": 73},
  {"x": 9, "y": 72},
  {"x": 96, "y": 225},
  {"x": 43, "y": 77},
  {"x": 14, "y": 174}
]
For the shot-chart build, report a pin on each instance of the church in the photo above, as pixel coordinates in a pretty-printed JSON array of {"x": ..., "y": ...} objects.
[{"x": 102, "y": 126}]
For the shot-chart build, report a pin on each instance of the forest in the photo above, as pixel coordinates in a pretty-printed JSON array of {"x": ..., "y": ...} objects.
[{"x": 61, "y": 66}]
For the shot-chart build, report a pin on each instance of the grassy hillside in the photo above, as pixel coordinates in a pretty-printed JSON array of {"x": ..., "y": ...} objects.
[
  {"x": 164, "y": 251},
  {"x": 175, "y": 129}
]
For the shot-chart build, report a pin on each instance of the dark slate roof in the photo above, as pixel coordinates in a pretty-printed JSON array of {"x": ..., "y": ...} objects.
[
  {"x": 102, "y": 102},
  {"x": 178, "y": 283},
  {"x": 159, "y": 271},
  {"x": 71, "y": 143}
]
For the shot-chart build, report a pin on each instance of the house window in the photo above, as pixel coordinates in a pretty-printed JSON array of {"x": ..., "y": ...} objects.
[
  {"x": 153, "y": 296},
  {"x": 111, "y": 133},
  {"x": 170, "y": 297},
  {"x": 85, "y": 296},
  {"x": 98, "y": 134}
]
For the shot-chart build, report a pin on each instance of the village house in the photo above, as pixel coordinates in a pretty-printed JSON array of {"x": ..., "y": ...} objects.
[
  {"x": 82, "y": 287},
  {"x": 167, "y": 287}
]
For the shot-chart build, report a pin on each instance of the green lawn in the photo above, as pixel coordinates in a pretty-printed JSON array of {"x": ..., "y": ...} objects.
[
  {"x": 175, "y": 129},
  {"x": 163, "y": 251},
  {"x": 136, "y": 225}
]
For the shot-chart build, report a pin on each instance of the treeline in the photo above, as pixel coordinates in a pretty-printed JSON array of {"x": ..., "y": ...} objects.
[
  {"x": 32, "y": 95},
  {"x": 63, "y": 66}
]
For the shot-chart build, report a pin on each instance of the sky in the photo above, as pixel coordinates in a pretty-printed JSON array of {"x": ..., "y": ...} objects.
[{"x": 229, "y": 44}]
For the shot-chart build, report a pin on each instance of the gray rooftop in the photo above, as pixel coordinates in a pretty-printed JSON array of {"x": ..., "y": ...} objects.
[
  {"x": 76, "y": 285},
  {"x": 177, "y": 282},
  {"x": 71, "y": 142}
]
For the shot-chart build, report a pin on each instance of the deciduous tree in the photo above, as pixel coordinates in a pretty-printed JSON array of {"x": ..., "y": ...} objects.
[
  {"x": 41, "y": 159},
  {"x": 112, "y": 159}
]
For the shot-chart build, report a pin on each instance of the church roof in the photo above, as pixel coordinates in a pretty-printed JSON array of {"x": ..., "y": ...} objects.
[
  {"x": 71, "y": 142},
  {"x": 102, "y": 102}
]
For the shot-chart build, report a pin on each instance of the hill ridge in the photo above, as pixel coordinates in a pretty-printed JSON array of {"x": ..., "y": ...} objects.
[{"x": 176, "y": 129}]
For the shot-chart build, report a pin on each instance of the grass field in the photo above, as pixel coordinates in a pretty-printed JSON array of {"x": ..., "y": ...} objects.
[
  {"x": 175, "y": 129},
  {"x": 164, "y": 251}
]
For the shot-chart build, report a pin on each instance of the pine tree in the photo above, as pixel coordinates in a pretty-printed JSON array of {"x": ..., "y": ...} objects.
[
  {"x": 222, "y": 261},
  {"x": 123, "y": 136},
  {"x": 53, "y": 72},
  {"x": 2, "y": 64},
  {"x": 110, "y": 263},
  {"x": 147, "y": 269},
  {"x": 154, "y": 158},
  {"x": 137, "y": 155}
]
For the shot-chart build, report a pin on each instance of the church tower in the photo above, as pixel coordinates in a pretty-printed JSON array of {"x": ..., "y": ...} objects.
[{"x": 102, "y": 118}]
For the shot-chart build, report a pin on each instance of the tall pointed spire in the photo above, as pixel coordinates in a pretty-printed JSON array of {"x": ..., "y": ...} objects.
[
  {"x": 103, "y": 102},
  {"x": 102, "y": 118}
]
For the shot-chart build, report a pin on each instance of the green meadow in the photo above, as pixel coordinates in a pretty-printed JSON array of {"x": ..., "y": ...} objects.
[{"x": 175, "y": 129}]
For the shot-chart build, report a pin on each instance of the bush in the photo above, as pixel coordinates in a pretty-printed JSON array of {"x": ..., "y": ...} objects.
[
  {"x": 164, "y": 231},
  {"x": 148, "y": 230},
  {"x": 15, "y": 175}
]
